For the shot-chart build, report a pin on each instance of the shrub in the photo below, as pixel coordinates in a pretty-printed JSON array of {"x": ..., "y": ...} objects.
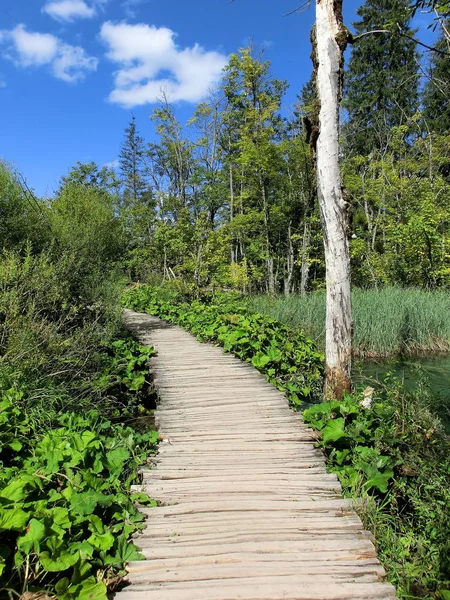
[
  {"x": 393, "y": 454},
  {"x": 66, "y": 512}
]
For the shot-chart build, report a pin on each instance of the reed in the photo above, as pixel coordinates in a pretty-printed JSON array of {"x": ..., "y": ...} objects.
[{"x": 387, "y": 322}]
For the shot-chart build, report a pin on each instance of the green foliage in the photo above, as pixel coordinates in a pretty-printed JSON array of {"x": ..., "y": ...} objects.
[
  {"x": 85, "y": 223},
  {"x": 129, "y": 363},
  {"x": 132, "y": 166},
  {"x": 289, "y": 360},
  {"x": 388, "y": 321},
  {"x": 382, "y": 77},
  {"x": 392, "y": 451},
  {"x": 436, "y": 95},
  {"x": 400, "y": 215},
  {"x": 66, "y": 512},
  {"x": 50, "y": 339},
  {"x": 22, "y": 218},
  {"x": 89, "y": 175}
]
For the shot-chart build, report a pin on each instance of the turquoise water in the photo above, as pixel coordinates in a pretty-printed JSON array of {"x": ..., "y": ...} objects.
[{"x": 433, "y": 372}]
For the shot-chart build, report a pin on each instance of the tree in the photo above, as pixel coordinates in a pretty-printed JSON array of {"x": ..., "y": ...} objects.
[
  {"x": 436, "y": 95},
  {"x": 23, "y": 217},
  {"x": 132, "y": 165},
  {"x": 382, "y": 77},
  {"x": 89, "y": 175},
  {"x": 330, "y": 42},
  {"x": 254, "y": 124}
]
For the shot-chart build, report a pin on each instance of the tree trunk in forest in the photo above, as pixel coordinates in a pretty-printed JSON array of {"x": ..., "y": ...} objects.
[
  {"x": 304, "y": 270},
  {"x": 269, "y": 257},
  {"x": 233, "y": 244},
  {"x": 331, "y": 39},
  {"x": 290, "y": 260}
]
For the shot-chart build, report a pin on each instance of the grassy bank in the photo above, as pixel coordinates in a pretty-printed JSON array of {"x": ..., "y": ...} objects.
[{"x": 387, "y": 322}]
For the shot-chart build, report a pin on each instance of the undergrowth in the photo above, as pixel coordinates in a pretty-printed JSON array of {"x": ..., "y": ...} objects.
[
  {"x": 66, "y": 510},
  {"x": 71, "y": 384},
  {"x": 392, "y": 454},
  {"x": 289, "y": 360}
]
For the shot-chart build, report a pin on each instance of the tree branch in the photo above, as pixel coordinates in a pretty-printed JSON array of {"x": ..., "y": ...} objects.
[
  {"x": 402, "y": 33},
  {"x": 300, "y": 8}
]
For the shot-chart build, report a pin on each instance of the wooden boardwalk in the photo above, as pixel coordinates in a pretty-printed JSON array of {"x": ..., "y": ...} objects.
[{"x": 247, "y": 510}]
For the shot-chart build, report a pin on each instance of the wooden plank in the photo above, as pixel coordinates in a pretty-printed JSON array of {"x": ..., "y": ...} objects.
[{"x": 248, "y": 511}]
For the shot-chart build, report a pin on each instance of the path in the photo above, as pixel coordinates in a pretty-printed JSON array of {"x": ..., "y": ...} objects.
[{"x": 248, "y": 511}]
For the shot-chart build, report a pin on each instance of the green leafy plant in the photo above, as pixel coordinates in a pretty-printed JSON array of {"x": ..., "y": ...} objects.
[
  {"x": 66, "y": 511},
  {"x": 393, "y": 456}
]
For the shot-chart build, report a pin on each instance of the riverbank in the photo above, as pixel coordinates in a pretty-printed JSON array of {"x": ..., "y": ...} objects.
[{"x": 392, "y": 321}]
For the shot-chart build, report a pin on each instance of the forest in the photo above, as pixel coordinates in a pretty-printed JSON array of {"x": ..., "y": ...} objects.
[{"x": 215, "y": 225}]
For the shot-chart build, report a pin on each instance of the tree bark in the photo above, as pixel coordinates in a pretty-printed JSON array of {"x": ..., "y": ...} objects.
[
  {"x": 304, "y": 271},
  {"x": 331, "y": 39},
  {"x": 290, "y": 261},
  {"x": 269, "y": 257}
]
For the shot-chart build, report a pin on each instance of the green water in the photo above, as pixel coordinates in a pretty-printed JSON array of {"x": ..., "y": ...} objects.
[{"x": 434, "y": 372}]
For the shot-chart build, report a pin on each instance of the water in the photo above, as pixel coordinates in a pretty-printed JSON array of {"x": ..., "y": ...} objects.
[{"x": 434, "y": 371}]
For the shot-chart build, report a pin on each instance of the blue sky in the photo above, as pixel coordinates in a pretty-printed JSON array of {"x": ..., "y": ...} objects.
[{"x": 73, "y": 71}]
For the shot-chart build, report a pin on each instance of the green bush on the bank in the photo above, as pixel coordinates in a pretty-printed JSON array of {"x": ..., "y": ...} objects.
[
  {"x": 69, "y": 379},
  {"x": 66, "y": 512},
  {"x": 288, "y": 359},
  {"x": 394, "y": 456}
]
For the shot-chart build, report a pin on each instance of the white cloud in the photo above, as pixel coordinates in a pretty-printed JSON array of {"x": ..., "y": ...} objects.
[
  {"x": 151, "y": 63},
  {"x": 72, "y": 63},
  {"x": 30, "y": 49},
  {"x": 33, "y": 48},
  {"x": 68, "y": 10}
]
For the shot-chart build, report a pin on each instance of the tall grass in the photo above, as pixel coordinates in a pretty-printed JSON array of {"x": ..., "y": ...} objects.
[{"x": 387, "y": 322}]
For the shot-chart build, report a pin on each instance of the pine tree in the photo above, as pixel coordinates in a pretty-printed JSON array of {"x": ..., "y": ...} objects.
[
  {"x": 132, "y": 165},
  {"x": 436, "y": 95},
  {"x": 382, "y": 78}
]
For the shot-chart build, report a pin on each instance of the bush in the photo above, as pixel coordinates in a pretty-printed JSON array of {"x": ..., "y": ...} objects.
[
  {"x": 50, "y": 341},
  {"x": 393, "y": 452},
  {"x": 66, "y": 513}
]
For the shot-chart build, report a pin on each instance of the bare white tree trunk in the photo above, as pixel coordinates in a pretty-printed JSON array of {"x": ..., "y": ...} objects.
[
  {"x": 290, "y": 262},
  {"x": 330, "y": 43},
  {"x": 304, "y": 271}
]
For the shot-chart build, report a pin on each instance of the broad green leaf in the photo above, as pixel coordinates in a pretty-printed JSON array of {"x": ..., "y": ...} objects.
[
  {"x": 96, "y": 524},
  {"x": 15, "y": 445},
  {"x": 380, "y": 480},
  {"x": 101, "y": 541},
  {"x": 35, "y": 534},
  {"x": 16, "y": 490},
  {"x": 117, "y": 457},
  {"x": 58, "y": 562},
  {"x": 260, "y": 360},
  {"x": 334, "y": 430},
  {"x": 89, "y": 589},
  {"x": 127, "y": 551},
  {"x": 14, "y": 518},
  {"x": 84, "y": 503}
]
